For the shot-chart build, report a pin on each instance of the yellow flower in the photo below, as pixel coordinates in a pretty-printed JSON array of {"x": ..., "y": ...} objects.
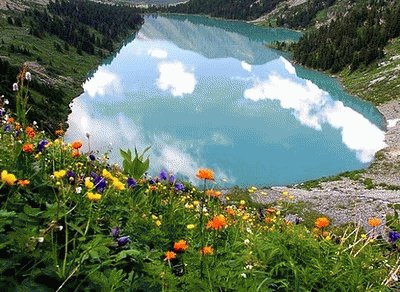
[
  {"x": 94, "y": 197},
  {"x": 154, "y": 217},
  {"x": 158, "y": 223},
  {"x": 285, "y": 193},
  {"x": 8, "y": 178},
  {"x": 59, "y": 174},
  {"x": 190, "y": 226},
  {"x": 118, "y": 185},
  {"x": 107, "y": 174},
  {"x": 242, "y": 202},
  {"x": 89, "y": 184},
  {"x": 195, "y": 203}
]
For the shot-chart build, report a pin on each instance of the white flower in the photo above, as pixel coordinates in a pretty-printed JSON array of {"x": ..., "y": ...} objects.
[
  {"x": 28, "y": 76},
  {"x": 246, "y": 241},
  {"x": 6, "y": 101},
  {"x": 248, "y": 229},
  {"x": 40, "y": 239},
  {"x": 248, "y": 267},
  {"x": 243, "y": 275},
  {"x": 34, "y": 123},
  {"x": 78, "y": 190},
  {"x": 15, "y": 86},
  {"x": 60, "y": 227}
]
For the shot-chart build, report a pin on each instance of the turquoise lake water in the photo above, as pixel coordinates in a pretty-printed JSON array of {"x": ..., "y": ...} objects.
[{"x": 209, "y": 93}]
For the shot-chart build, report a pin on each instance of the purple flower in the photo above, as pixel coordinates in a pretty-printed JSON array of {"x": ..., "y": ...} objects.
[
  {"x": 151, "y": 181},
  {"x": 163, "y": 174},
  {"x": 92, "y": 157},
  {"x": 7, "y": 128},
  {"x": 115, "y": 231},
  {"x": 123, "y": 240},
  {"x": 99, "y": 182},
  {"x": 179, "y": 187},
  {"x": 2, "y": 111},
  {"x": 393, "y": 236},
  {"x": 172, "y": 179},
  {"x": 42, "y": 144},
  {"x": 131, "y": 182}
]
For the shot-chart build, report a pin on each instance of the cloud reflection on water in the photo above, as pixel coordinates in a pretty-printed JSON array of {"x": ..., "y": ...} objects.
[
  {"x": 103, "y": 82},
  {"x": 314, "y": 107}
]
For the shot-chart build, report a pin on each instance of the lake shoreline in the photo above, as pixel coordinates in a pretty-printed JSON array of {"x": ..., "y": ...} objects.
[{"x": 351, "y": 201}]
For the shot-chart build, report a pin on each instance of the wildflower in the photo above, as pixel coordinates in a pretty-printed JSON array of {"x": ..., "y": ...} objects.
[
  {"x": 30, "y": 132},
  {"x": 40, "y": 239},
  {"x": 78, "y": 190},
  {"x": 172, "y": 179},
  {"x": 242, "y": 202},
  {"x": 76, "y": 145},
  {"x": 88, "y": 183},
  {"x": 246, "y": 241},
  {"x": 374, "y": 222},
  {"x": 169, "y": 255},
  {"x": 71, "y": 176},
  {"x": 94, "y": 197},
  {"x": 123, "y": 240},
  {"x": 59, "y": 132},
  {"x": 394, "y": 236},
  {"x": 158, "y": 223},
  {"x": 179, "y": 187},
  {"x": 92, "y": 157},
  {"x": 59, "y": 174},
  {"x": 207, "y": 250},
  {"x": 28, "y": 76},
  {"x": 216, "y": 223},
  {"x": 99, "y": 182},
  {"x": 75, "y": 153},
  {"x": 15, "y": 86},
  {"x": 181, "y": 245},
  {"x": 118, "y": 185},
  {"x": 115, "y": 231},
  {"x": 23, "y": 182},
  {"x": 205, "y": 173},
  {"x": 213, "y": 193},
  {"x": 107, "y": 174},
  {"x": 131, "y": 182},
  {"x": 190, "y": 226},
  {"x": 42, "y": 145},
  {"x": 163, "y": 174},
  {"x": 243, "y": 275},
  {"x": 28, "y": 147},
  {"x": 322, "y": 222},
  {"x": 230, "y": 211}
]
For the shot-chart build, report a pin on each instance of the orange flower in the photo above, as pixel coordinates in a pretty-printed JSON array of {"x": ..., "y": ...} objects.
[
  {"x": 230, "y": 211},
  {"x": 374, "y": 222},
  {"x": 28, "y": 147},
  {"x": 17, "y": 126},
  {"x": 23, "y": 182},
  {"x": 217, "y": 222},
  {"x": 271, "y": 210},
  {"x": 59, "y": 132},
  {"x": 169, "y": 255},
  {"x": 207, "y": 250},
  {"x": 75, "y": 153},
  {"x": 205, "y": 173},
  {"x": 76, "y": 144},
  {"x": 213, "y": 193},
  {"x": 322, "y": 222},
  {"x": 10, "y": 120},
  {"x": 181, "y": 245},
  {"x": 30, "y": 132}
]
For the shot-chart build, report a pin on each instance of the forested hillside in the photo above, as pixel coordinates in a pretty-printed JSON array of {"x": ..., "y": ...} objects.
[
  {"x": 356, "y": 39},
  {"x": 61, "y": 43}
]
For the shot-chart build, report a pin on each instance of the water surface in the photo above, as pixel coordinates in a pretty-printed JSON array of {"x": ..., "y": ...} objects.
[{"x": 209, "y": 93}]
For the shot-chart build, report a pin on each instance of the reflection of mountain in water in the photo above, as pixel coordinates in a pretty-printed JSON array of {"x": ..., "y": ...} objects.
[{"x": 215, "y": 38}]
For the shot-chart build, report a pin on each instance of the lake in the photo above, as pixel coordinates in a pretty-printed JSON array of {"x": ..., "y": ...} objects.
[{"x": 210, "y": 93}]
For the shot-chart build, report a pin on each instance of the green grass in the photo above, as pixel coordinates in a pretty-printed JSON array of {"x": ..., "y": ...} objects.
[{"x": 378, "y": 83}]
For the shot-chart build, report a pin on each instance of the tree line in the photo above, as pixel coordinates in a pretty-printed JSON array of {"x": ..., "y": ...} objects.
[
  {"x": 352, "y": 40},
  {"x": 231, "y": 9},
  {"x": 73, "y": 21}
]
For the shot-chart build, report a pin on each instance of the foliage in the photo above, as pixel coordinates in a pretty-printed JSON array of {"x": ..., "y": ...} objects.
[
  {"x": 353, "y": 40},
  {"x": 137, "y": 166},
  {"x": 69, "y": 221}
]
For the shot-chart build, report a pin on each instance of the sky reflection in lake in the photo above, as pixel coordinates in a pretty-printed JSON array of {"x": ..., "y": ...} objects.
[{"x": 208, "y": 93}]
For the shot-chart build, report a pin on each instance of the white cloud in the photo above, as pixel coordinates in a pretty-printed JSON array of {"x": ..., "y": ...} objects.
[
  {"x": 175, "y": 78},
  {"x": 103, "y": 82},
  {"x": 314, "y": 107},
  {"x": 246, "y": 66},
  {"x": 157, "y": 53}
]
